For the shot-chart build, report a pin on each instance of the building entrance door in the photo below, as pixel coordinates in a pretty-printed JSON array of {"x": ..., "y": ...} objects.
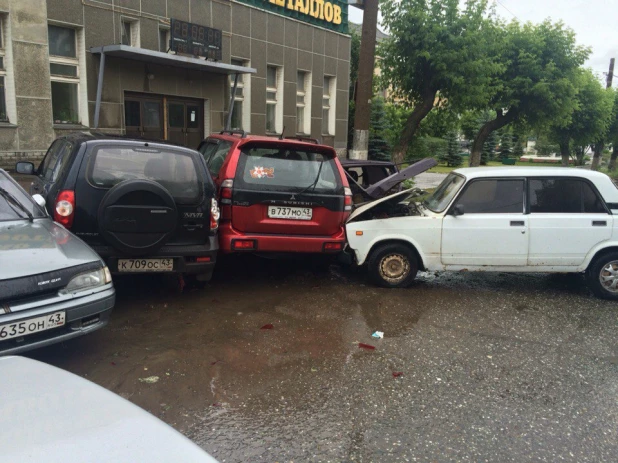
[
  {"x": 144, "y": 117},
  {"x": 185, "y": 122}
]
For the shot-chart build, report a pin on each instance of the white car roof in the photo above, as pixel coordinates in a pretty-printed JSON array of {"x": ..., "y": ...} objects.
[{"x": 48, "y": 415}]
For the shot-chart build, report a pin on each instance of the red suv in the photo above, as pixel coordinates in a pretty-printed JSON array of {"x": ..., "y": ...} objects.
[{"x": 278, "y": 195}]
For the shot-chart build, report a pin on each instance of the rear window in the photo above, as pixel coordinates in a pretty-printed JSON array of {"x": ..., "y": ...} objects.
[
  {"x": 285, "y": 169},
  {"x": 175, "y": 171},
  {"x": 215, "y": 152}
]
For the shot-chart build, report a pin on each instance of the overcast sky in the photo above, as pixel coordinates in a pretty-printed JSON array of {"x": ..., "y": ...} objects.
[{"x": 594, "y": 21}]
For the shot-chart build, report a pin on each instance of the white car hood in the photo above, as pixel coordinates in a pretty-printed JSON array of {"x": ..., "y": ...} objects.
[
  {"x": 365, "y": 207},
  {"x": 48, "y": 415}
]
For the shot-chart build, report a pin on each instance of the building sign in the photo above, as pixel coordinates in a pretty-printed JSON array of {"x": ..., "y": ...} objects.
[
  {"x": 192, "y": 39},
  {"x": 331, "y": 14}
]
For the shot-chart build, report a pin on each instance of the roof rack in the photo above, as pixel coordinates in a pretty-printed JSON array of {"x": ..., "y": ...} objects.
[
  {"x": 242, "y": 133},
  {"x": 305, "y": 139}
]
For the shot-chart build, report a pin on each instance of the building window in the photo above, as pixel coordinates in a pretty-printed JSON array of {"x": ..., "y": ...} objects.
[
  {"x": 303, "y": 102},
  {"x": 328, "y": 106},
  {"x": 4, "y": 117},
  {"x": 65, "y": 78},
  {"x": 129, "y": 32},
  {"x": 164, "y": 39},
  {"x": 274, "y": 99},
  {"x": 242, "y": 99}
]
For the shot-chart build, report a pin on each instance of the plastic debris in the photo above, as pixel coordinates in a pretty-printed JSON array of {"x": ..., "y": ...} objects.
[
  {"x": 397, "y": 374},
  {"x": 149, "y": 380},
  {"x": 365, "y": 346},
  {"x": 378, "y": 334},
  {"x": 267, "y": 327}
]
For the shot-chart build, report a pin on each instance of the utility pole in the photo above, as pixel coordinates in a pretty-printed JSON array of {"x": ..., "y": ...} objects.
[
  {"x": 364, "y": 85},
  {"x": 598, "y": 147},
  {"x": 610, "y": 74}
]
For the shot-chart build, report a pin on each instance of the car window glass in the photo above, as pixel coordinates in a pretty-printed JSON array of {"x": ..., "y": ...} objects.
[
  {"x": 64, "y": 153},
  {"x": 10, "y": 211},
  {"x": 357, "y": 174},
  {"x": 493, "y": 197},
  {"x": 175, "y": 171},
  {"x": 46, "y": 170},
  {"x": 287, "y": 169},
  {"x": 563, "y": 195},
  {"x": 375, "y": 174},
  {"x": 215, "y": 152}
]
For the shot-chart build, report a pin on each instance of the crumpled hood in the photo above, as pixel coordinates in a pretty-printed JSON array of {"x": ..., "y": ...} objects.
[
  {"x": 377, "y": 190},
  {"x": 31, "y": 248}
]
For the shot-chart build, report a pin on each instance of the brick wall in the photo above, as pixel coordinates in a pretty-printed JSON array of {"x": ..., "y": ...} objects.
[{"x": 8, "y": 159}]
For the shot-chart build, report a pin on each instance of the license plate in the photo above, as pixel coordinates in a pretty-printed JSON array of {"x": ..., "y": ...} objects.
[
  {"x": 33, "y": 325},
  {"x": 145, "y": 265},
  {"x": 291, "y": 213}
]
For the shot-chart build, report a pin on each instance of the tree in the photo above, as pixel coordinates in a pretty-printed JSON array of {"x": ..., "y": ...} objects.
[
  {"x": 506, "y": 145},
  {"x": 588, "y": 123},
  {"x": 540, "y": 64},
  {"x": 489, "y": 149},
  {"x": 452, "y": 155},
  {"x": 379, "y": 149},
  {"x": 518, "y": 145},
  {"x": 437, "y": 52}
]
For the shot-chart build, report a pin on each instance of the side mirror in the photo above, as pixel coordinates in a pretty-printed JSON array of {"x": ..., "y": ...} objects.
[
  {"x": 25, "y": 168},
  {"x": 458, "y": 210},
  {"x": 39, "y": 200}
]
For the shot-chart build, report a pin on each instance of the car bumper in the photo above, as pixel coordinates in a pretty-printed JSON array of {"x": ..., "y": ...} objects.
[
  {"x": 83, "y": 315},
  {"x": 185, "y": 257},
  {"x": 279, "y": 243}
]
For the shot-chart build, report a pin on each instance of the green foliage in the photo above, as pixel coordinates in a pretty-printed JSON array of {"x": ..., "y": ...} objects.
[
  {"x": 379, "y": 149},
  {"x": 452, "y": 155},
  {"x": 506, "y": 145},
  {"x": 544, "y": 147},
  {"x": 519, "y": 142},
  {"x": 396, "y": 116},
  {"x": 489, "y": 149}
]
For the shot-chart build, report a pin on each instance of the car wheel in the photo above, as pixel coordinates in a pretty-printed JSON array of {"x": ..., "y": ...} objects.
[
  {"x": 602, "y": 276},
  {"x": 393, "y": 266}
]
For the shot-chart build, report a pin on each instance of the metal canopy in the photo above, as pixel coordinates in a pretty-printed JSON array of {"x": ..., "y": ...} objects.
[{"x": 165, "y": 59}]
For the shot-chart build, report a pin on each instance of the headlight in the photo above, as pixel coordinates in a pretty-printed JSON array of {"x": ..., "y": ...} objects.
[{"x": 88, "y": 280}]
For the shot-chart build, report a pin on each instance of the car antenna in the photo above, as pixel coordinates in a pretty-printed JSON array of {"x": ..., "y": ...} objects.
[{"x": 282, "y": 132}]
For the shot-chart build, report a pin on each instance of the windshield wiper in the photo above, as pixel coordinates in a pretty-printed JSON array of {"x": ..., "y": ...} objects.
[
  {"x": 315, "y": 182},
  {"x": 11, "y": 199}
]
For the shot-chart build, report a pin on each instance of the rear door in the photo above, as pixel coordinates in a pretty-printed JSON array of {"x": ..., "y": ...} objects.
[
  {"x": 181, "y": 173},
  {"x": 567, "y": 219},
  {"x": 287, "y": 189}
]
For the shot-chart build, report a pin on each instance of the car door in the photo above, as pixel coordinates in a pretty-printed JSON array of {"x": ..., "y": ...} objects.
[
  {"x": 492, "y": 231},
  {"x": 567, "y": 219}
]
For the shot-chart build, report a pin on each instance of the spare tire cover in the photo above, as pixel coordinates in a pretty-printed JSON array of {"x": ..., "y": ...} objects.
[{"x": 137, "y": 217}]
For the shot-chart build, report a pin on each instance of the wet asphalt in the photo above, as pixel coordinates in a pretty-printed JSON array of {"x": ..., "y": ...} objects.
[{"x": 490, "y": 367}]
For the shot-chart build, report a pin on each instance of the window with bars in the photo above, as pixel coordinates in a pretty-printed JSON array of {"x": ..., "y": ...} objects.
[
  {"x": 328, "y": 106},
  {"x": 274, "y": 97},
  {"x": 64, "y": 71},
  {"x": 303, "y": 103}
]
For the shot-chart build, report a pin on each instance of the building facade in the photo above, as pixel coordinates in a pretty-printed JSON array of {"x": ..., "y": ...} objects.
[{"x": 68, "y": 65}]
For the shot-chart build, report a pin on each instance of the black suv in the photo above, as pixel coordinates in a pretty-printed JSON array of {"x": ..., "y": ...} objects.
[{"x": 143, "y": 206}]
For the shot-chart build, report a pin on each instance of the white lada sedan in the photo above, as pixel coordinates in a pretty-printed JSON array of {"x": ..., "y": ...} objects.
[{"x": 502, "y": 219}]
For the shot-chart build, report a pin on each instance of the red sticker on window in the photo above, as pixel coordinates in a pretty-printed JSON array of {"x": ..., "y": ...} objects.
[{"x": 262, "y": 172}]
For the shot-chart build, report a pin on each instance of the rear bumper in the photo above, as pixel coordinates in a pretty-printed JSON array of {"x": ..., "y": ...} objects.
[
  {"x": 185, "y": 257},
  {"x": 278, "y": 243},
  {"x": 83, "y": 315}
]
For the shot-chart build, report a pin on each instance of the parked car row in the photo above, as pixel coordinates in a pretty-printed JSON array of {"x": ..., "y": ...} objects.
[{"x": 148, "y": 207}]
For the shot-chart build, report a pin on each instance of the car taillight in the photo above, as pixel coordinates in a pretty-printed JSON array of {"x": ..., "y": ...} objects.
[
  {"x": 64, "y": 212},
  {"x": 347, "y": 202},
  {"x": 215, "y": 214},
  {"x": 333, "y": 247},
  {"x": 226, "y": 191}
]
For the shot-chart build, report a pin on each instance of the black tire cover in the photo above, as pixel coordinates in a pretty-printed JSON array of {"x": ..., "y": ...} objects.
[{"x": 137, "y": 217}]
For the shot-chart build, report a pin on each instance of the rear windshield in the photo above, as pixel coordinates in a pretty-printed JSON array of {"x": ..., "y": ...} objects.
[
  {"x": 175, "y": 171},
  {"x": 284, "y": 169}
]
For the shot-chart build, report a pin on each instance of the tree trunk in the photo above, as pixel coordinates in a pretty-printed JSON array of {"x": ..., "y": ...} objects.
[
  {"x": 612, "y": 160},
  {"x": 565, "y": 152},
  {"x": 411, "y": 126},
  {"x": 490, "y": 126},
  {"x": 598, "y": 154}
]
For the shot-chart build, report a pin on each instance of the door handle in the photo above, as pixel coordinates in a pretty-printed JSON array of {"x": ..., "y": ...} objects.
[
  {"x": 518, "y": 223},
  {"x": 599, "y": 223}
]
